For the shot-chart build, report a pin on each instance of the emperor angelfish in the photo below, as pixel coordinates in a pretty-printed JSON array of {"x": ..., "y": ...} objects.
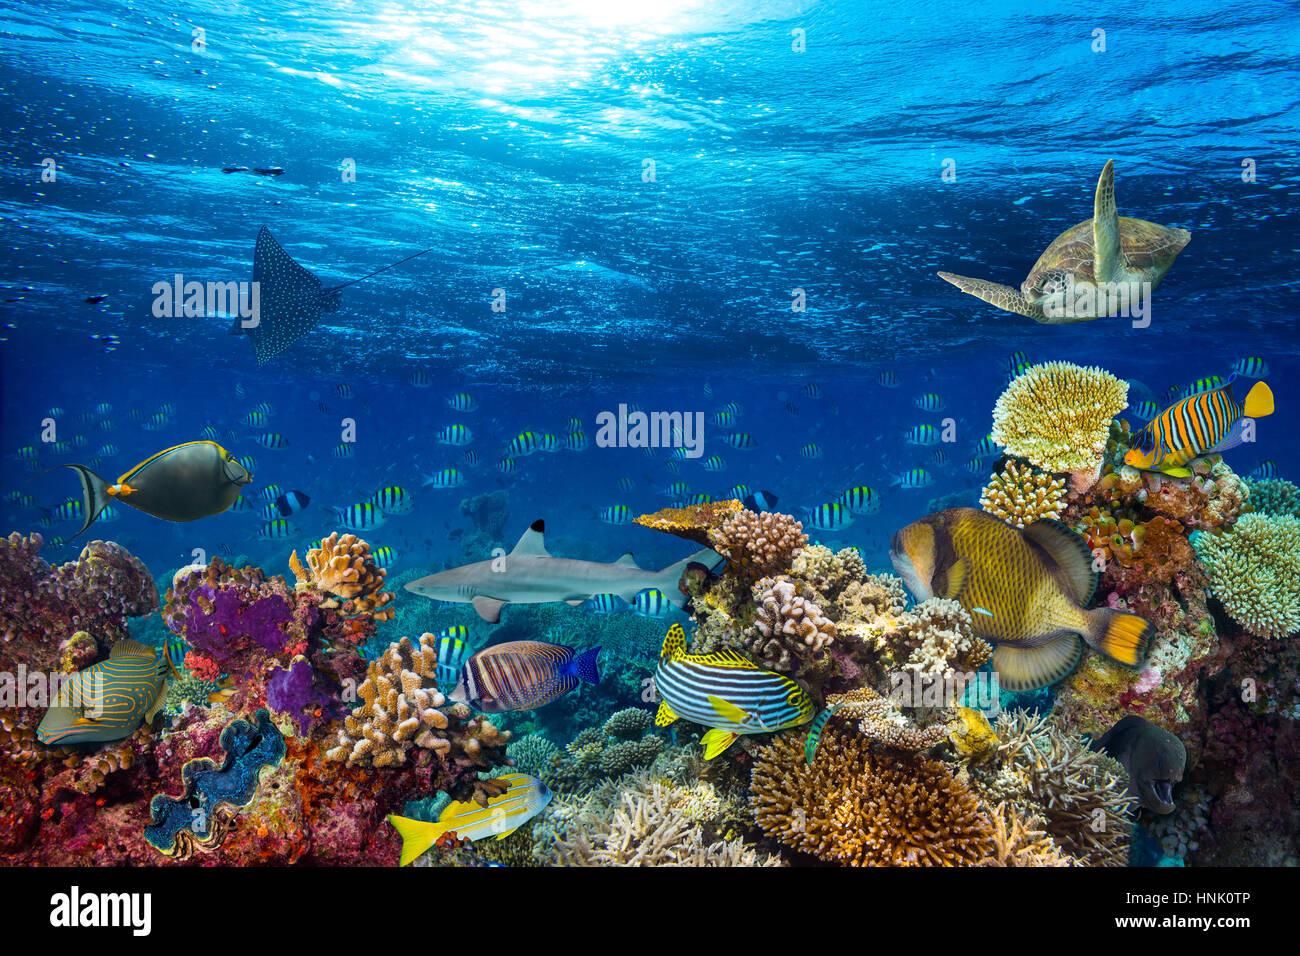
[
  {"x": 109, "y": 700},
  {"x": 182, "y": 483},
  {"x": 1026, "y": 590},
  {"x": 725, "y": 692},
  {"x": 523, "y": 675}
]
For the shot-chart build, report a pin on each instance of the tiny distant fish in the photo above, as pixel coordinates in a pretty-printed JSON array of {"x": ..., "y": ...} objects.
[
  {"x": 103, "y": 408},
  {"x": 248, "y": 461},
  {"x": 525, "y": 443},
  {"x": 616, "y": 514},
  {"x": 455, "y": 435},
  {"x": 605, "y": 604},
  {"x": 626, "y": 484},
  {"x": 733, "y": 408},
  {"x": 975, "y": 466},
  {"x": 384, "y": 557},
  {"x": 741, "y": 441},
  {"x": 291, "y": 502},
  {"x": 322, "y": 408},
  {"x": 831, "y": 516},
  {"x": 708, "y": 390},
  {"x": 810, "y": 451},
  {"x": 929, "y": 402},
  {"x": 271, "y": 492},
  {"x": 548, "y": 443},
  {"x": 913, "y": 478},
  {"x": 678, "y": 490},
  {"x": 575, "y": 441},
  {"x": 1265, "y": 469},
  {"x": 344, "y": 450},
  {"x": 860, "y": 500},
  {"x": 723, "y": 419},
  {"x": 255, "y": 419},
  {"x": 792, "y": 408},
  {"x": 507, "y": 466},
  {"x": 445, "y": 478},
  {"x": 651, "y": 603},
  {"x": 209, "y": 432},
  {"x": 1146, "y": 410},
  {"x": 921, "y": 435},
  {"x": 239, "y": 390},
  {"x": 739, "y": 491},
  {"x": 272, "y": 440},
  {"x": 453, "y": 648},
  {"x": 269, "y": 511},
  {"x": 888, "y": 379},
  {"x": 470, "y": 458},
  {"x": 714, "y": 463},
  {"x": 275, "y": 530},
  {"x": 421, "y": 379},
  {"x": 1015, "y": 360},
  {"x": 462, "y": 402},
  {"x": 1250, "y": 367},
  {"x": 360, "y": 517},
  {"x": 678, "y": 454},
  {"x": 986, "y": 448},
  {"x": 68, "y": 510},
  {"x": 939, "y": 456},
  {"x": 812, "y": 390},
  {"x": 242, "y": 504},
  {"x": 699, "y": 498},
  {"x": 344, "y": 391},
  {"x": 109, "y": 514},
  {"x": 673, "y": 467}
]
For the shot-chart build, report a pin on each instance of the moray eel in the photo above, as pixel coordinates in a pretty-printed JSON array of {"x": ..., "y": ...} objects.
[{"x": 1153, "y": 757}]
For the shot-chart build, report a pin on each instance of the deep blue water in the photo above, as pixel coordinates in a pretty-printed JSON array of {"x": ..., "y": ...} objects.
[{"x": 511, "y": 138}]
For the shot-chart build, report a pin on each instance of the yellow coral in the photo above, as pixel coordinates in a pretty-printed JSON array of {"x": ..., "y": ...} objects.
[
  {"x": 693, "y": 522},
  {"x": 1057, "y": 415},
  {"x": 973, "y": 737},
  {"x": 1020, "y": 494},
  {"x": 343, "y": 567}
]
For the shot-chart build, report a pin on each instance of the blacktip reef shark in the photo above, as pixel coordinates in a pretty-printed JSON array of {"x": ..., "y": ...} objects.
[
  {"x": 291, "y": 300},
  {"x": 529, "y": 575}
]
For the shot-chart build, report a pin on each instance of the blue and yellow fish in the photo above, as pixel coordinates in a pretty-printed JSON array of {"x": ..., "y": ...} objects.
[
  {"x": 523, "y": 675},
  {"x": 453, "y": 647},
  {"x": 524, "y": 798},
  {"x": 1201, "y": 424},
  {"x": 725, "y": 692},
  {"x": 109, "y": 700}
]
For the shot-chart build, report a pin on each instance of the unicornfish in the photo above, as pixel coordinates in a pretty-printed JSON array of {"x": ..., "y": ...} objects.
[
  {"x": 183, "y": 483},
  {"x": 725, "y": 692},
  {"x": 109, "y": 700},
  {"x": 524, "y": 798},
  {"x": 1026, "y": 591}
]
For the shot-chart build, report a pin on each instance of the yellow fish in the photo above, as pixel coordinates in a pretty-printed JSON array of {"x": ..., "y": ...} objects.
[{"x": 524, "y": 798}]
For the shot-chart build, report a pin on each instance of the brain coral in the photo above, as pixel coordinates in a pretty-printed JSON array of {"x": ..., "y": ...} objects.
[
  {"x": 857, "y": 808},
  {"x": 1057, "y": 416},
  {"x": 1255, "y": 571}
]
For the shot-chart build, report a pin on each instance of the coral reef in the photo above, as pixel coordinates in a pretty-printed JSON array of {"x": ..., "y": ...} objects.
[
  {"x": 854, "y": 807},
  {"x": 696, "y": 523},
  {"x": 342, "y": 567},
  {"x": 880, "y": 720},
  {"x": 625, "y": 741},
  {"x": 1020, "y": 494},
  {"x": 758, "y": 544},
  {"x": 1020, "y": 842},
  {"x": 1254, "y": 570},
  {"x": 404, "y": 716},
  {"x": 1274, "y": 496},
  {"x": 785, "y": 618}
]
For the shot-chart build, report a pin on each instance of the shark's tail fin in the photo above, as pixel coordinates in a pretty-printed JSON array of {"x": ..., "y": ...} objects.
[{"x": 667, "y": 579}]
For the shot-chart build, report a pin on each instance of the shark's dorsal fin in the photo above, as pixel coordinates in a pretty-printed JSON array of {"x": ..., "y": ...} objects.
[
  {"x": 627, "y": 560},
  {"x": 533, "y": 543}
]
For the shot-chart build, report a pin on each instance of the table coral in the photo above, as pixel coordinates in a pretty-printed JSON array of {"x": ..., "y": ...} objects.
[
  {"x": 695, "y": 522},
  {"x": 1020, "y": 494},
  {"x": 854, "y": 807},
  {"x": 1057, "y": 416},
  {"x": 1254, "y": 571}
]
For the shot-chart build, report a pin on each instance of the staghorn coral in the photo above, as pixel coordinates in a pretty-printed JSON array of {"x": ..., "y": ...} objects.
[
  {"x": 1274, "y": 496},
  {"x": 696, "y": 523},
  {"x": 640, "y": 820},
  {"x": 786, "y": 625},
  {"x": 758, "y": 544},
  {"x": 1020, "y": 494},
  {"x": 1021, "y": 842},
  {"x": 404, "y": 712},
  {"x": 862, "y": 809},
  {"x": 1080, "y": 794},
  {"x": 1254, "y": 570},
  {"x": 342, "y": 567},
  {"x": 1057, "y": 416}
]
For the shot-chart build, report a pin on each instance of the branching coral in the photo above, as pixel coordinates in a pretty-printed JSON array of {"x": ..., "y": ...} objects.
[
  {"x": 1254, "y": 570},
  {"x": 403, "y": 711},
  {"x": 1020, "y": 842},
  {"x": 625, "y": 741},
  {"x": 640, "y": 820},
  {"x": 531, "y": 753},
  {"x": 759, "y": 544},
  {"x": 879, "y": 720},
  {"x": 938, "y": 634},
  {"x": 858, "y": 808},
  {"x": 343, "y": 567},
  {"x": 1079, "y": 793},
  {"x": 1274, "y": 496},
  {"x": 1020, "y": 494},
  {"x": 1057, "y": 416}
]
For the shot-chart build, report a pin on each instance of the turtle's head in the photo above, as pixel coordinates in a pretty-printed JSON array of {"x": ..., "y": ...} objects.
[{"x": 1048, "y": 290}]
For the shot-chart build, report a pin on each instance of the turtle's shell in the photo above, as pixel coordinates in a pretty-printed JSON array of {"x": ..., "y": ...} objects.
[{"x": 1148, "y": 248}]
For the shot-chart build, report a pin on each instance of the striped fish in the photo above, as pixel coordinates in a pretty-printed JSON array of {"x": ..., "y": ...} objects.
[
  {"x": 360, "y": 517},
  {"x": 393, "y": 500},
  {"x": 523, "y": 675},
  {"x": 575, "y": 441},
  {"x": 860, "y": 500},
  {"x": 272, "y": 440},
  {"x": 741, "y": 440},
  {"x": 384, "y": 557},
  {"x": 725, "y": 692},
  {"x": 462, "y": 402},
  {"x": 507, "y": 466},
  {"x": 888, "y": 379},
  {"x": 109, "y": 700},
  {"x": 815, "y": 733},
  {"x": 1250, "y": 367},
  {"x": 832, "y": 516},
  {"x": 421, "y": 379},
  {"x": 525, "y": 443},
  {"x": 453, "y": 648},
  {"x": 444, "y": 478},
  {"x": 616, "y": 514},
  {"x": 810, "y": 451},
  {"x": 344, "y": 450},
  {"x": 605, "y": 603},
  {"x": 455, "y": 435},
  {"x": 1201, "y": 424},
  {"x": 651, "y": 603},
  {"x": 524, "y": 798}
]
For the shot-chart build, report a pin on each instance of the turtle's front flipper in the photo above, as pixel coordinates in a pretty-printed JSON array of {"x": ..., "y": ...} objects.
[
  {"x": 1003, "y": 296},
  {"x": 1105, "y": 228}
]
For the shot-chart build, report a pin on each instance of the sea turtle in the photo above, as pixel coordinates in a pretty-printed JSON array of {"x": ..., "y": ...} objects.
[{"x": 1091, "y": 270}]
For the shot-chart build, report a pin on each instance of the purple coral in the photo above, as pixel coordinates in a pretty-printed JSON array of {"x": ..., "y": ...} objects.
[{"x": 297, "y": 691}]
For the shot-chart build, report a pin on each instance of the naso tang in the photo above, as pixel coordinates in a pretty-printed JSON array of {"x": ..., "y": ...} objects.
[
  {"x": 1026, "y": 591},
  {"x": 523, "y": 799},
  {"x": 109, "y": 700},
  {"x": 725, "y": 692},
  {"x": 182, "y": 483}
]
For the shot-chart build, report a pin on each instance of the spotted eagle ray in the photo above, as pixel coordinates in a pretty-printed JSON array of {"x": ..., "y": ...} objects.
[{"x": 291, "y": 298}]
